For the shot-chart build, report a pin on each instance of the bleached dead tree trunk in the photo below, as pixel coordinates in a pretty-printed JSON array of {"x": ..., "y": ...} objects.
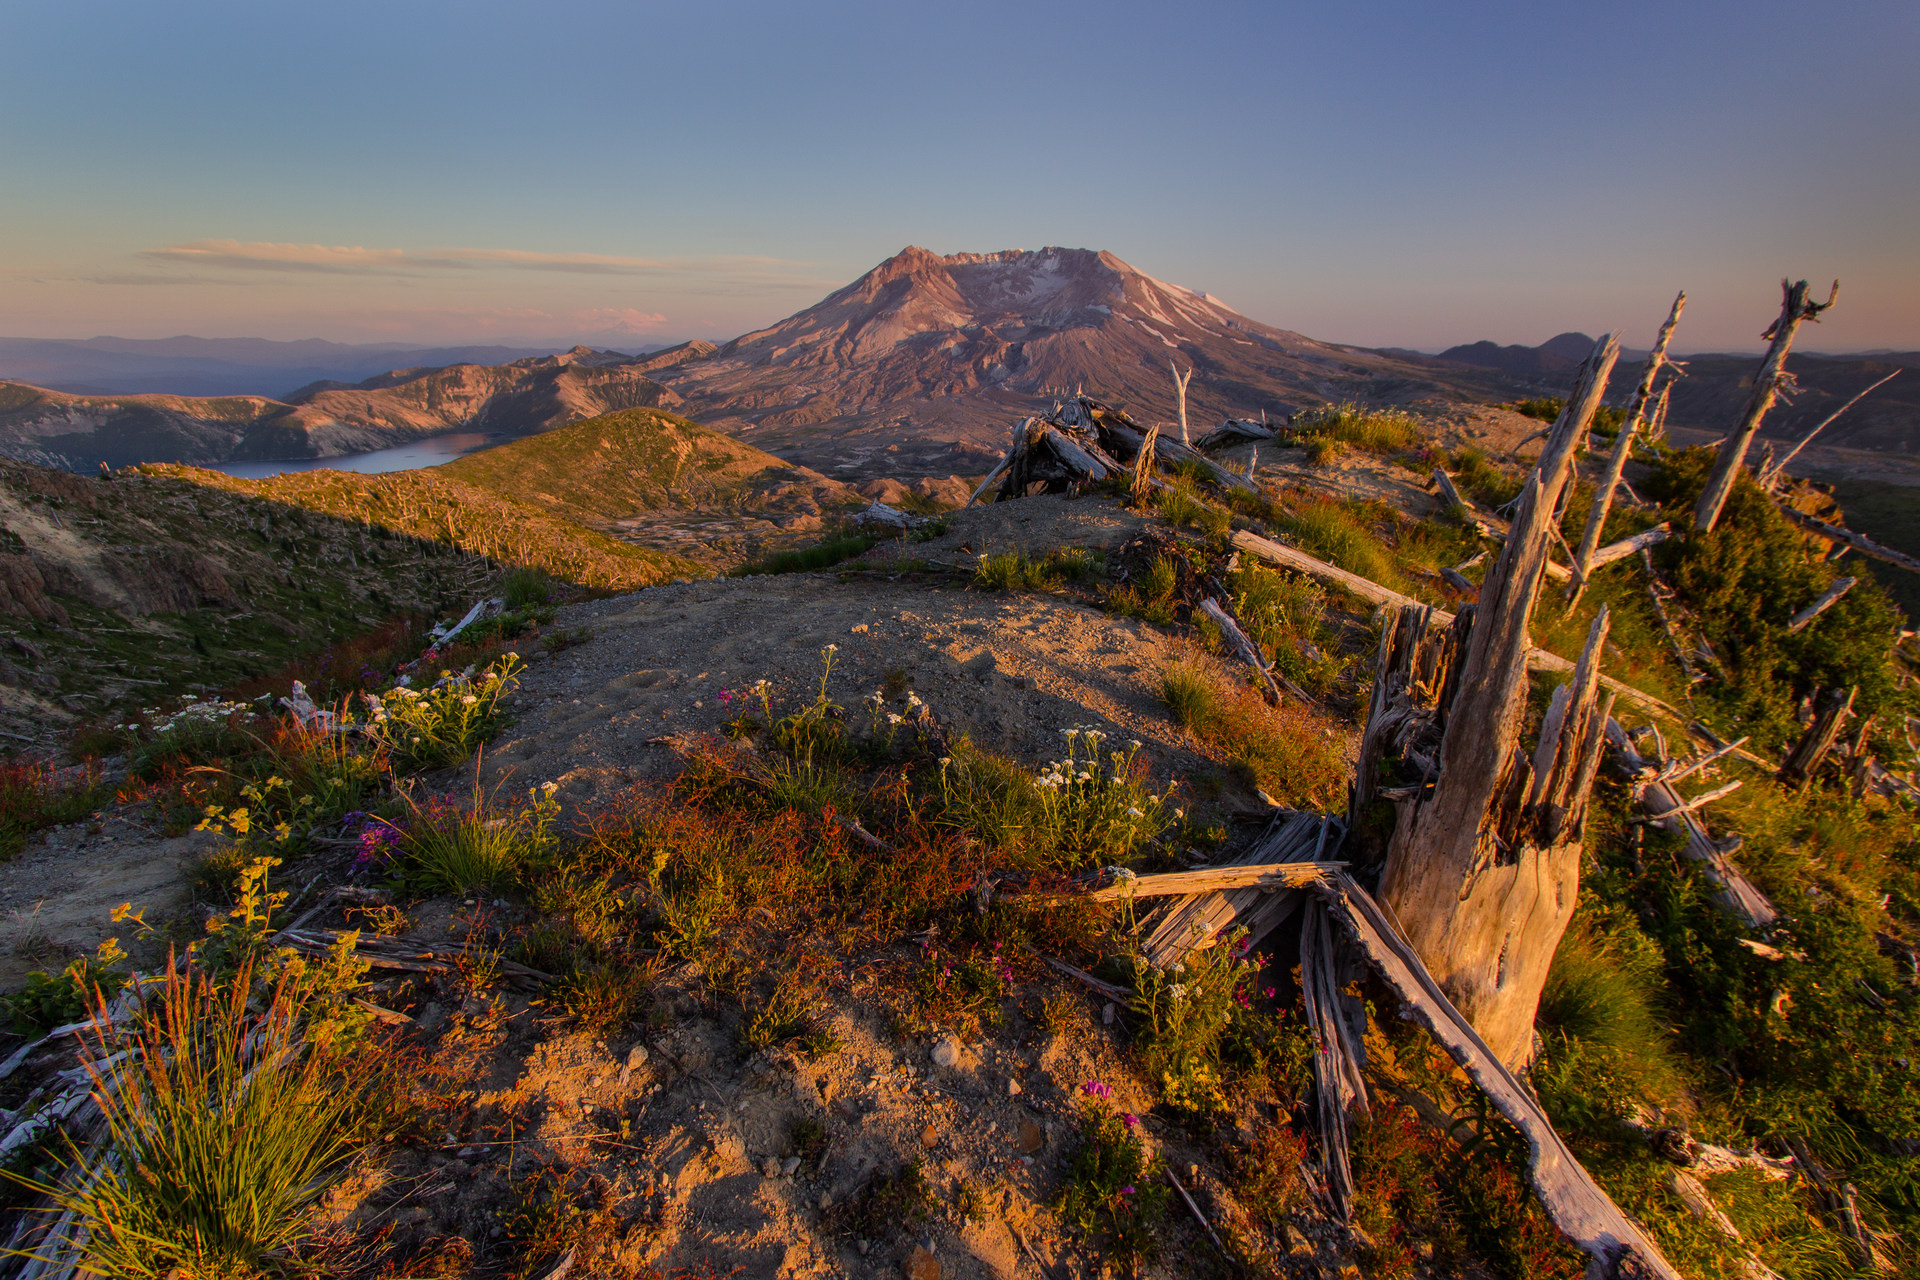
[
  {"x": 1771, "y": 475},
  {"x": 1794, "y": 308},
  {"x": 1617, "y": 461},
  {"x": 1804, "y": 619},
  {"x": 1657, "y": 424},
  {"x": 1180, "y": 382},
  {"x": 1483, "y": 871}
]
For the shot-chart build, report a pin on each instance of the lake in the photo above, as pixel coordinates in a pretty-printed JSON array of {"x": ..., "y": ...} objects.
[{"x": 430, "y": 452}]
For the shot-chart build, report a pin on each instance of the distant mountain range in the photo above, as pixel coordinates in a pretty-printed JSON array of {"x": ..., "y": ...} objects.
[
  {"x": 1559, "y": 354},
  {"x": 1715, "y": 388},
  {"x": 323, "y": 419},
  {"x": 918, "y": 368},
  {"x": 188, "y": 366}
]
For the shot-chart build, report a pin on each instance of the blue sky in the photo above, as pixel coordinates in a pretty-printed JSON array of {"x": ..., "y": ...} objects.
[{"x": 1384, "y": 174}]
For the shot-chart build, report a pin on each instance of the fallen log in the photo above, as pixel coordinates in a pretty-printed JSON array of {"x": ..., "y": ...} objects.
[
  {"x": 1583, "y": 1212},
  {"x": 1733, "y": 892},
  {"x": 1213, "y": 612},
  {"x": 1804, "y": 619},
  {"x": 1373, "y": 593},
  {"x": 1817, "y": 740},
  {"x": 1628, "y": 546},
  {"x": 1859, "y": 542},
  {"x": 1234, "y": 431},
  {"x": 1256, "y": 875},
  {"x": 1325, "y": 969},
  {"x": 1194, "y": 921}
]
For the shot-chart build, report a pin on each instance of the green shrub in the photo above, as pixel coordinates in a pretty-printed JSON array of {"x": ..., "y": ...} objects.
[
  {"x": 35, "y": 795},
  {"x": 1015, "y": 571},
  {"x": 1113, "y": 1189},
  {"x": 1743, "y": 581},
  {"x": 1090, "y": 808},
  {"x": 1371, "y": 430},
  {"x": 823, "y": 555},
  {"x": 524, "y": 588},
  {"x": 442, "y": 725},
  {"x": 445, "y": 848},
  {"x": 1480, "y": 479},
  {"x": 1286, "y": 751},
  {"x": 1190, "y": 695},
  {"x": 1182, "y": 1014},
  {"x": 226, "y": 1128},
  {"x": 1606, "y": 1046},
  {"x": 1285, "y": 614}
]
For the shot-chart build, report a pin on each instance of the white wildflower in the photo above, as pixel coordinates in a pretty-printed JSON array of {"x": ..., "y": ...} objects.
[
  {"x": 468, "y": 700},
  {"x": 1135, "y": 813},
  {"x": 1179, "y": 991}
]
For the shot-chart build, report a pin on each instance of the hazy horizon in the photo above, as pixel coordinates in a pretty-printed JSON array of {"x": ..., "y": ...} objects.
[{"x": 632, "y": 175}]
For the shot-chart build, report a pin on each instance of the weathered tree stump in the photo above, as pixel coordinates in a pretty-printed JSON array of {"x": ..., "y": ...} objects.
[{"x": 1483, "y": 870}]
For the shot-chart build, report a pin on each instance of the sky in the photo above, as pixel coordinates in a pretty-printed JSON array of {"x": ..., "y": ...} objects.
[{"x": 1384, "y": 174}]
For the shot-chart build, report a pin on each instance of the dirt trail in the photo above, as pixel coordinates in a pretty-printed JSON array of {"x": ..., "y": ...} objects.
[{"x": 1011, "y": 670}]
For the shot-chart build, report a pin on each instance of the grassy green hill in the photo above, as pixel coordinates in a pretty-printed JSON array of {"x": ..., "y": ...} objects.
[
  {"x": 120, "y": 593},
  {"x": 479, "y": 521},
  {"x": 639, "y": 460}
]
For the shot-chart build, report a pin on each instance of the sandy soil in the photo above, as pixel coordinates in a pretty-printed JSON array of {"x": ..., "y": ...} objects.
[{"x": 1010, "y": 670}]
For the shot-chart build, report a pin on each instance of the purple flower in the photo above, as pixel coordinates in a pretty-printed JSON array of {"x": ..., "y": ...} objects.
[
  {"x": 1096, "y": 1089},
  {"x": 379, "y": 840},
  {"x": 1126, "y": 1191},
  {"x": 726, "y": 696},
  {"x": 1130, "y": 1120}
]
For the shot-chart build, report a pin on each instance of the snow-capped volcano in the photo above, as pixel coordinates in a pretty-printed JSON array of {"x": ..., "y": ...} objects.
[{"x": 924, "y": 362}]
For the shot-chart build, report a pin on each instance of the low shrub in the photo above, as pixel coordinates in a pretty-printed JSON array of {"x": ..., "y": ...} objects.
[
  {"x": 1015, "y": 571},
  {"x": 36, "y": 795},
  {"x": 443, "y": 847},
  {"x": 1113, "y": 1189},
  {"x": 1287, "y": 751},
  {"x": 823, "y": 555},
  {"x": 1373, "y": 430},
  {"x": 442, "y": 725},
  {"x": 226, "y": 1127}
]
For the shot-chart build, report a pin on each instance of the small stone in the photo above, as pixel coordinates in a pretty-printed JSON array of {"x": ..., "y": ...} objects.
[
  {"x": 1013, "y": 1086},
  {"x": 789, "y": 1165},
  {"x": 929, "y": 1137},
  {"x": 825, "y": 1202},
  {"x": 1108, "y": 1013},
  {"x": 770, "y": 1166},
  {"x": 636, "y": 1057},
  {"x": 922, "y": 1265},
  {"x": 946, "y": 1052},
  {"x": 1030, "y": 1137}
]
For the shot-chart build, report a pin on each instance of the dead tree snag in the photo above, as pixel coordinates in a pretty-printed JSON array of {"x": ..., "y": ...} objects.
[
  {"x": 1583, "y": 564},
  {"x": 1767, "y": 383}
]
